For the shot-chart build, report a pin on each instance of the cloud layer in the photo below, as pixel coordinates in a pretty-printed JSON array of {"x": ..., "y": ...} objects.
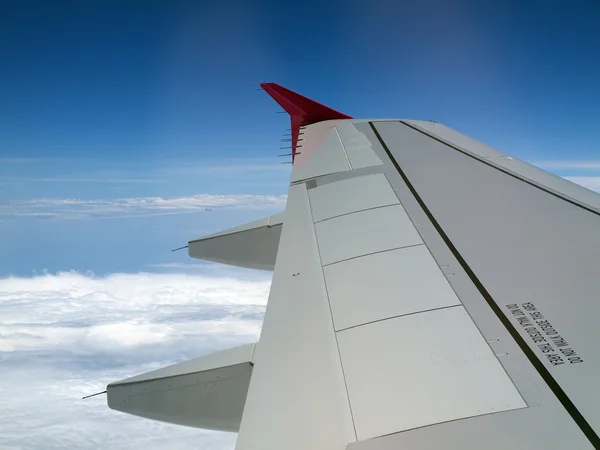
[
  {"x": 73, "y": 208},
  {"x": 67, "y": 335}
]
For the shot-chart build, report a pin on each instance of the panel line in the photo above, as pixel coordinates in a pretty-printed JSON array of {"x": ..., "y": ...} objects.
[
  {"x": 343, "y": 147},
  {"x": 372, "y": 253},
  {"x": 358, "y": 211},
  {"x": 400, "y": 315}
]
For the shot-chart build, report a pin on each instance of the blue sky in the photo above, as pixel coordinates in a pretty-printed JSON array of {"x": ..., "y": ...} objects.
[
  {"x": 104, "y": 100},
  {"x": 122, "y": 122}
]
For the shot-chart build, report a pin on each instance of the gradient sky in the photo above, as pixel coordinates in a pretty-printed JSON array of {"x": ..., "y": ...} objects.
[
  {"x": 128, "y": 128},
  {"x": 108, "y": 100}
]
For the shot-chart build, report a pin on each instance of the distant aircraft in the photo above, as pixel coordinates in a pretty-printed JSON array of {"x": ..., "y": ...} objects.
[{"x": 429, "y": 292}]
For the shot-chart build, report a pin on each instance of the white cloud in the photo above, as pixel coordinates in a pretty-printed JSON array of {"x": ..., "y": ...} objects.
[
  {"x": 73, "y": 208},
  {"x": 67, "y": 335}
]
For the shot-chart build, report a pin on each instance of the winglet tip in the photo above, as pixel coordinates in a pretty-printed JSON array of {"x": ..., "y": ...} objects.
[
  {"x": 310, "y": 111},
  {"x": 302, "y": 110}
]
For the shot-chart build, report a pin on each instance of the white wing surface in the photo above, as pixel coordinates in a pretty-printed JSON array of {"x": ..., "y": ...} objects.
[{"x": 428, "y": 292}]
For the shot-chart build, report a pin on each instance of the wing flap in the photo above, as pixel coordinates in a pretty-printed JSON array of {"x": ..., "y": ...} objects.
[
  {"x": 435, "y": 361},
  {"x": 404, "y": 337}
]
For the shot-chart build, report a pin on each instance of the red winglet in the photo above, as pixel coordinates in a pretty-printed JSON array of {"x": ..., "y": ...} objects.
[{"x": 302, "y": 110}]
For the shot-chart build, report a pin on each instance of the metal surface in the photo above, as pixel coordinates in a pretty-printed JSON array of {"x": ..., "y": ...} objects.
[
  {"x": 386, "y": 284},
  {"x": 420, "y": 369},
  {"x": 276, "y": 219},
  {"x": 297, "y": 397},
  {"x": 527, "y": 430},
  {"x": 357, "y": 146},
  {"x": 229, "y": 357},
  {"x": 364, "y": 232},
  {"x": 547, "y": 247},
  {"x": 207, "y": 392},
  {"x": 252, "y": 245},
  {"x": 512, "y": 165},
  {"x": 352, "y": 195},
  {"x": 321, "y": 153}
]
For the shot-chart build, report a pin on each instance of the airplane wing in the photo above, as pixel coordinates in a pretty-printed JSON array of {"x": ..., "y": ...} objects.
[{"x": 428, "y": 292}]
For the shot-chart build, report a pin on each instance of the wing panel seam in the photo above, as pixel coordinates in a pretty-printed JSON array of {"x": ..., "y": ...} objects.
[
  {"x": 372, "y": 253},
  {"x": 357, "y": 211},
  {"x": 343, "y": 147},
  {"x": 398, "y": 315}
]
